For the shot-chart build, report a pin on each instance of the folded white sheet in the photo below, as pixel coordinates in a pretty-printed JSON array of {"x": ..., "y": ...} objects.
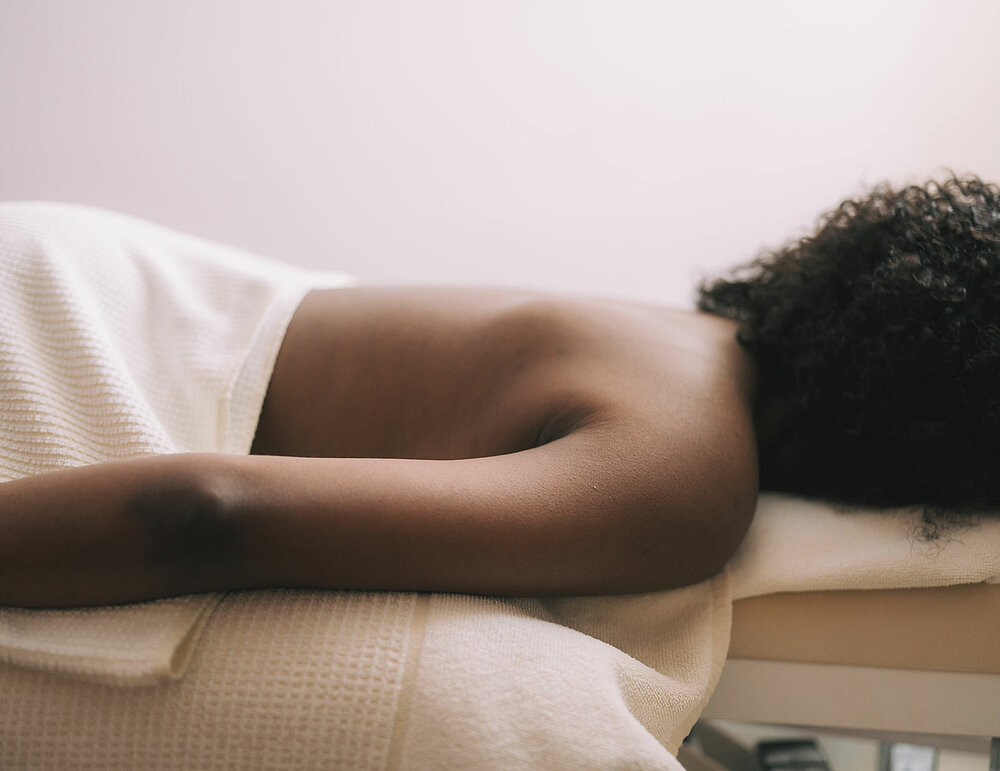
[{"x": 132, "y": 645}]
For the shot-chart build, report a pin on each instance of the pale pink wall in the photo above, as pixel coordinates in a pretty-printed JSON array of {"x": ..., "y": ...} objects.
[{"x": 615, "y": 147}]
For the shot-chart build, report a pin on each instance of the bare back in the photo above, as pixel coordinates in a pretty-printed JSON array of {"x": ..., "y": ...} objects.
[{"x": 458, "y": 373}]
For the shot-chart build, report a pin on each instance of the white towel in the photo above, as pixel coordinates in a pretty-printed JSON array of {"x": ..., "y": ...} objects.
[
  {"x": 335, "y": 680},
  {"x": 119, "y": 338}
]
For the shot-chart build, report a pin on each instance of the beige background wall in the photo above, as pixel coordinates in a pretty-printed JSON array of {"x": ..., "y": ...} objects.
[{"x": 621, "y": 147}]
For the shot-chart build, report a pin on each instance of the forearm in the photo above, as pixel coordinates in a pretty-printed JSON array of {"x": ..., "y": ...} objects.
[
  {"x": 110, "y": 533},
  {"x": 173, "y": 524},
  {"x": 166, "y": 525}
]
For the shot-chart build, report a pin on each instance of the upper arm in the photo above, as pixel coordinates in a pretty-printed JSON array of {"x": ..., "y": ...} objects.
[{"x": 610, "y": 507}]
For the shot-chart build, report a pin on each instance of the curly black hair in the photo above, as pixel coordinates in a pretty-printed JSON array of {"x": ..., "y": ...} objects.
[{"x": 877, "y": 341}]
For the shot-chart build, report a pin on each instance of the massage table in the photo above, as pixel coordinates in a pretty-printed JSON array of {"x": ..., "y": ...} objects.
[
  {"x": 887, "y": 632},
  {"x": 920, "y": 666},
  {"x": 910, "y": 660}
]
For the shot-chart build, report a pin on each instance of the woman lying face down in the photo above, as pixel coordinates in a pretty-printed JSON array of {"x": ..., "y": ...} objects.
[{"x": 501, "y": 442}]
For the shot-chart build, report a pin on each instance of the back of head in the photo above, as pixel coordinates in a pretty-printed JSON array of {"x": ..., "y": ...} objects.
[{"x": 878, "y": 344}]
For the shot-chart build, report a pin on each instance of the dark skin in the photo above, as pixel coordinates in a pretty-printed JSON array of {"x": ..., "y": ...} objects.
[{"x": 479, "y": 441}]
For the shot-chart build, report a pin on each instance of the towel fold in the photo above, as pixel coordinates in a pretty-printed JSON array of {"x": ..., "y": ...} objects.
[{"x": 133, "y": 645}]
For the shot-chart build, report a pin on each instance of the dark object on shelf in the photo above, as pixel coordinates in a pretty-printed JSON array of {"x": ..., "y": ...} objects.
[{"x": 797, "y": 754}]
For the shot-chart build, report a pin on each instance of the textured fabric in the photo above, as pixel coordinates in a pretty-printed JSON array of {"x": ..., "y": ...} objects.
[
  {"x": 130, "y": 645},
  {"x": 576, "y": 683},
  {"x": 328, "y": 680},
  {"x": 119, "y": 338},
  {"x": 279, "y": 680}
]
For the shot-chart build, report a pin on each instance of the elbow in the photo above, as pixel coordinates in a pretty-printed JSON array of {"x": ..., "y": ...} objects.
[
  {"x": 718, "y": 533},
  {"x": 679, "y": 548},
  {"x": 712, "y": 524},
  {"x": 187, "y": 521}
]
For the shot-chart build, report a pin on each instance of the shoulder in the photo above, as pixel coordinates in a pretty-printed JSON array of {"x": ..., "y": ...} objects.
[
  {"x": 657, "y": 406},
  {"x": 670, "y": 392},
  {"x": 675, "y": 383},
  {"x": 657, "y": 365}
]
